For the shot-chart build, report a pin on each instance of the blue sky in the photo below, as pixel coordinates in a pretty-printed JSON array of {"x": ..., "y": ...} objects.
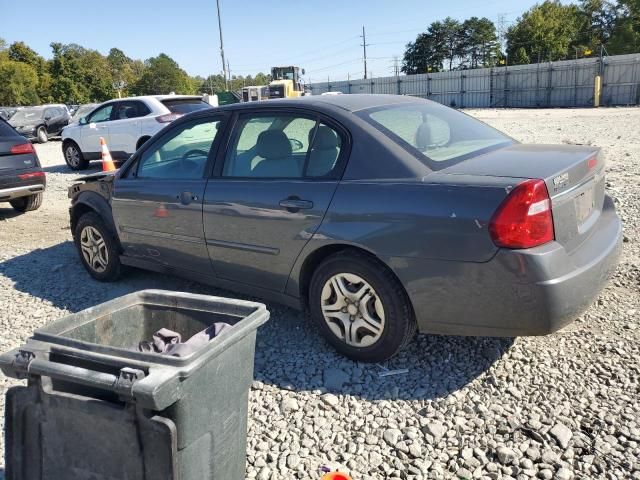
[{"x": 320, "y": 36}]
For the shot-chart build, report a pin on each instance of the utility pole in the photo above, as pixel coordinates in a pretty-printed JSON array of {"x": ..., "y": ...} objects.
[
  {"x": 224, "y": 67},
  {"x": 228, "y": 70},
  {"x": 364, "y": 47}
]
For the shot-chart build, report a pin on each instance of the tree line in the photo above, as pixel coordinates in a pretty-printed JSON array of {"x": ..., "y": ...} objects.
[
  {"x": 548, "y": 31},
  {"x": 76, "y": 75}
]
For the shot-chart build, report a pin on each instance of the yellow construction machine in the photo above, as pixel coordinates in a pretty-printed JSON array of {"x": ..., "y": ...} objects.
[{"x": 286, "y": 82}]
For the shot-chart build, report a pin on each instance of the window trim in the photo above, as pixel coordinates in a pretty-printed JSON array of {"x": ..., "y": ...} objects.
[
  {"x": 336, "y": 173},
  {"x": 130, "y": 171}
]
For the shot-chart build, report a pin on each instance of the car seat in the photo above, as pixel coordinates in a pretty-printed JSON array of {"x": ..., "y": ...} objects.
[
  {"x": 324, "y": 151},
  {"x": 274, "y": 158}
]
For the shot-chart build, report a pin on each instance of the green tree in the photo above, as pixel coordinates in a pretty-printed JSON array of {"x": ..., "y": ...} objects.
[
  {"x": 79, "y": 75},
  {"x": 442, "y": 44},
  {"x": 19, "y": 85},
  {"x": 547, "y": 31},
  {"x": 163, "y": 75},
  {"x": 480, "y": 46},
  {"x": 625, "y": 34}
]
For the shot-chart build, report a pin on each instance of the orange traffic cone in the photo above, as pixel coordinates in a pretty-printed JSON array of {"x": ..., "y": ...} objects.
[
  {"x": 107, "y": 161},
  {"x": 335, "y": 476}
]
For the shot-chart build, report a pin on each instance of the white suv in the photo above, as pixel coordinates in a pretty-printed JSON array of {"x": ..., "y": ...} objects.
[{"x": 125, "y": 124}]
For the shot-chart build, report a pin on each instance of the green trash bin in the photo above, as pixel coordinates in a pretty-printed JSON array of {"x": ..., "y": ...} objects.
[{"x": 96, "y": 408}]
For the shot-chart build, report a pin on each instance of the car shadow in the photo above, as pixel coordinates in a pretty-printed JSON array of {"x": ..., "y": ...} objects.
[
  {"x": 7, "y": 212},
  {"x": 290, "y": 352},
  {"x": 93, "y": 167}
]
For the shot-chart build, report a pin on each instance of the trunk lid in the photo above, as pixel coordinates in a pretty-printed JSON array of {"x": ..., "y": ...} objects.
[
  {"x": 574, "y": 176},
  {"x": 10, "y": 161}
]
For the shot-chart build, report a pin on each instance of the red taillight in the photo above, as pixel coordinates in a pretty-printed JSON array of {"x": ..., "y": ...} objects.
[
  {"x": 169, "y": 117},
  {"x": 22, "y": 148},
  {"x": 592, "y": 162},
  {"x": 30, "y": 175},
  {"x": 524, "y": 219}
]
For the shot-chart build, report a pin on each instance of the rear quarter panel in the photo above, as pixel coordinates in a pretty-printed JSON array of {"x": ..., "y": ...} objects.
[{"x": 417, "y": 219}]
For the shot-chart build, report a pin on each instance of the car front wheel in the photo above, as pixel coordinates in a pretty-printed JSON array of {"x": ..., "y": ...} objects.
[
  {"x": 73, "y": 156},
  {"x": 361, "y": 307},
  {"x": 97, "y": 248}
]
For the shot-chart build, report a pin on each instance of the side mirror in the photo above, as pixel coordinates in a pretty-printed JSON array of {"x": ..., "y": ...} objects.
[
  {"x": 303, "y": 71},
  {"x": 82, "y": 121},
  {"x": 48, "y": 117}
]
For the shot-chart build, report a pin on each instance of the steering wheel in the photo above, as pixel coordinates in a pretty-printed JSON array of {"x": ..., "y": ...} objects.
[
  {"x": 195, "y": 151},
  {"x": 296, "y": 144}
]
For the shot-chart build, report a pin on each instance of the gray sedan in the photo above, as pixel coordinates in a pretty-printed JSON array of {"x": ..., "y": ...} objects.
[{"x": 380, "y": 215}]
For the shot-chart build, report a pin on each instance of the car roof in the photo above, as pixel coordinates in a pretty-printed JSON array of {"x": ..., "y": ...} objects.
[
  {"x": 348, "y": 102},
  {"x": 157, "y": 97}
]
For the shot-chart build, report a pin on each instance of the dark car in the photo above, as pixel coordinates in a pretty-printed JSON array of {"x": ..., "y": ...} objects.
[
  {"x": 22, "y": 181},
  {"x": 379, "y": 214},
  {"x": 41, "y": 123},
  {"x": 7, "y": 112}
]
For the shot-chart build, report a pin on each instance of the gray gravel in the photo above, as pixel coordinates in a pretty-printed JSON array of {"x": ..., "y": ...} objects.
[{"x": 558, "y": 407}]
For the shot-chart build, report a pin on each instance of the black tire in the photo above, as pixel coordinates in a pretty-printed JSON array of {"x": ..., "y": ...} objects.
[
  {"x": 113, "y": 267},
  {"x": 41, "y": 135},
  {"x": 27, "y": 204},
  {"x": 73, "y": 156},
  {"x": 399, "y": 324}
]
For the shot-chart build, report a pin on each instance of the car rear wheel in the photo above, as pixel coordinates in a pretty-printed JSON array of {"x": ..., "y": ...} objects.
[
  {"x": 97, "y": 248},
  {"x": 73, "y": 156},
  {"x": 41, "y": 135},
  {"x": 360, "y": 307},
  {"x": 27, "y": 204}
]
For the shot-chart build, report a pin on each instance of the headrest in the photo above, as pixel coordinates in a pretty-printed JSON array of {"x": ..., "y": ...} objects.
[
  {"x": 423, "y": 136},
  {"x": 273, "y": 144},
  {"x": 325, "y": 138}
]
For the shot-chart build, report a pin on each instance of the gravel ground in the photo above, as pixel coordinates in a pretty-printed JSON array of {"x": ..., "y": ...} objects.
[{"x": 558, "y": 407}]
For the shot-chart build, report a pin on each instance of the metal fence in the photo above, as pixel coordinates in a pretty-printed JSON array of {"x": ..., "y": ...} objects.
[{"x": 568, "y": 83}]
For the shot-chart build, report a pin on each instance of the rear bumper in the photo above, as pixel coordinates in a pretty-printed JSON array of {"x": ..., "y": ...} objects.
[
  {"x": 12, "y": 186},
  {"x": 519, "y": 292}
]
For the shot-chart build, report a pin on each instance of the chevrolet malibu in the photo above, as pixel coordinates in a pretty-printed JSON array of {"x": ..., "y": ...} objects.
[{"x": 380, "y": 215}]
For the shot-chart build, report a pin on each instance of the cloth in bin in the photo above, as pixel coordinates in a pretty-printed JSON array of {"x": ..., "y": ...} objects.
[{"x": 168, "y": 342}]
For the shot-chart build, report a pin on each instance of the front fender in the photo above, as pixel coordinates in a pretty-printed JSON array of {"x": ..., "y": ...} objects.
[{"x": 93, "y": 201}]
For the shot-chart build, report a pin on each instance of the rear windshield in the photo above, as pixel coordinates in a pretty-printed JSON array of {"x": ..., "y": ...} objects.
[
  {"x": 27, "y": 114},
  {"x": 6, "y": 130},
  {"x": 185, "y": 105},
  {"x": 437, "y": 135}
]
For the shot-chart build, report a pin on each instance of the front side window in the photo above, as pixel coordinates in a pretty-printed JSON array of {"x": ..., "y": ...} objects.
[
  {"x": 282, "y": 146},
  {"x": 102, "y": 114},
  {"x": 437, "y": 135},
  {"x": 183, "y": 154}
]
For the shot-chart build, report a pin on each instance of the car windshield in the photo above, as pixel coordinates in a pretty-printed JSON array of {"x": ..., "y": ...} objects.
[
  {"x": 437, "y": 135},
  {"x": 27, "y": 114},
  {"x": 187, "y": 105}
]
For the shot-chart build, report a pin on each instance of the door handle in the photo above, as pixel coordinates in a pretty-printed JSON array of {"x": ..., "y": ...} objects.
[
  {"x": 293, "y": 204},
  {"x": 186, "y": 198}
]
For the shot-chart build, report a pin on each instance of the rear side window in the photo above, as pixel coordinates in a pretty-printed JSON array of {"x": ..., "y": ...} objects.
[
  {"x": 437, "y": 135},
  {"x": 185, "y": 105},
  {"x": 282, "y": 146}
]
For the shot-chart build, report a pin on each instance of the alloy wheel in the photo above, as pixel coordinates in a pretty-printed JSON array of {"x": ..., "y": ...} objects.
[
  {"x": 72, "y": 156},
  {"x": 94, "y": 249},
  {"x": 352, "y": 309}
]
